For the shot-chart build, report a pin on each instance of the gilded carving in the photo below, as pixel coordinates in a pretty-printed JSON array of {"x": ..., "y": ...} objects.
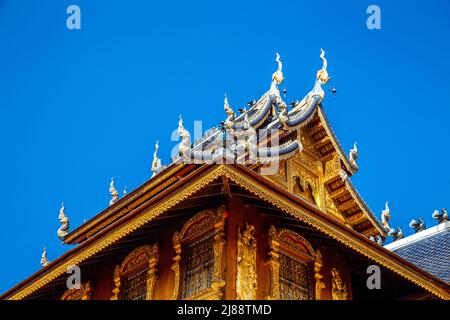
[
  {"x": 338, "y": 287},
  {"x": 259, "y": 190},
  {"x": 318, "y": 264},
  {"x": 199, "y": 225},
  {"x": 145, "y": 256},
  {"x": 246, "y": 284},
  {"x": 83, "y": 293},
  {"x": 282, "y": 241}
]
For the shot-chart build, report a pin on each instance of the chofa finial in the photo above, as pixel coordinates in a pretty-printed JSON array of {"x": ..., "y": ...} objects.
[
  {"x": 44, "y": 260},
  {"x": 278, "y": 76},
  {"x": 322, "y": 74},
  {"x": 353, "y": 156},
  {"x": 113, "y": 192},
  {"x": 64, "y": 221},
  {"x": 156, "y": 163},
  {"x": 228, "y": 110},
  {"x": 386, "y": 216}
]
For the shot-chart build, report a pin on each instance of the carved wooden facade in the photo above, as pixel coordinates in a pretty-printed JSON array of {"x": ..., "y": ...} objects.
[
  {"x": 82, "y": 293},
  {"x": 135, "y": 278},
  {"x": 198, "y": 263},
  {"x": 291, "y": 260}
]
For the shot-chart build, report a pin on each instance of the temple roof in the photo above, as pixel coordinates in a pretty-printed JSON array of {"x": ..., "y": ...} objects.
[
  {"x": 149, "y": 206},
  {"x": 427, "y": 249}
]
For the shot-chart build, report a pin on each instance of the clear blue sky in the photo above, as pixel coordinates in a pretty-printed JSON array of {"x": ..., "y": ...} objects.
[{"x": 78, "y": 107}]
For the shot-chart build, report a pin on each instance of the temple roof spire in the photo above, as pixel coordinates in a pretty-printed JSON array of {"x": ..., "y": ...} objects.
[
  {"x": 113, "y": 192},
  {"x": 44, "y": 260},
  {"x": 64, "y": 221}
]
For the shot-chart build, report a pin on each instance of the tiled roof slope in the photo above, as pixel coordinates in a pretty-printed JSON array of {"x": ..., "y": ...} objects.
[{"x": 428, "y": 249}]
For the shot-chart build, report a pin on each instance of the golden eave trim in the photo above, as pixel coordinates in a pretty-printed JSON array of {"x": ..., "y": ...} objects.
[
  {"x": 339, "y": 233},
  {"x": 122, "y": 208}
]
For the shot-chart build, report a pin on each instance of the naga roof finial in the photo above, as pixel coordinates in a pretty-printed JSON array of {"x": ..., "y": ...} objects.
[
  {"x": 64, "y": 221},
  {"x": 113, "y": 192},
  {"x": 156, "y": 163},
  {"x": 278, "y": 76},
  {"x": 44, "y": 260},
  {"x": 228, "y": 110},
  {"x": 322, "y": 74},
  {"x": 353, "y": 156},
  {"x": 386, "y": 216}
]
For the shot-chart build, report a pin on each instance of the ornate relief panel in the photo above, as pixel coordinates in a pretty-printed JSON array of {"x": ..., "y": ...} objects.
[
  {"x": 338, "y": 287},
  {"x": 83, "y": 293},
  {"x": 246, "y": 284},
  {"x": 135, "y": 278},
  {"x": 290, "y": 261},
  {"x": 305, "y": 183},
  {"x": 198, "y": 262}
]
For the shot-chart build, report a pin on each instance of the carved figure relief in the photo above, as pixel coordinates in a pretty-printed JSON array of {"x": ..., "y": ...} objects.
[{"x": 246, "y": 282}]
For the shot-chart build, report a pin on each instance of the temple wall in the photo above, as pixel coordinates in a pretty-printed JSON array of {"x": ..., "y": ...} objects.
[{"x": 238, "y": 216}]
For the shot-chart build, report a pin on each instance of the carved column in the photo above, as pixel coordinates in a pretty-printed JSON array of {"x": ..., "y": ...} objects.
[
  {"x": 116, "y": 289},
  {"x": 218, "y": 246},
  {"x": 274, "y": 264},
  {"x": 318, "y": 264},
  {"x": 246, "y": 284},
  {"x": 152, "y": 272},
  {"x": 176, "y": 267}
]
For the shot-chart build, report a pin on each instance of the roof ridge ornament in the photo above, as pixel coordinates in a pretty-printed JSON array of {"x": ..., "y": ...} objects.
[
  {"x": 417, "y": 225},
  {"x": 64, "y": 221},
  {"x": 353, "y": 156},
  {"x": 278, "y": 76},
  {"x": 156, "y": 163},
  {"x": 322, "y": 76},
  {"x": 44, "y": 260},
  {"x": 386, "y": 216},
  {"x": 185, "y": 144},
  {"x": 113, "y": 192},
  {"x": 440, "y": 217}
]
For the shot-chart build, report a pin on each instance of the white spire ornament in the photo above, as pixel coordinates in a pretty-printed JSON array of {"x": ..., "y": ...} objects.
[
  {"x": 353, "y": 156},
  {"x": 156, "y": 163},
  {"x": 386, "y": 216},
  {"x": 64, "y": 221},
  {"x": 113, "y": 192},
  {"x": 44, "y": 260}
]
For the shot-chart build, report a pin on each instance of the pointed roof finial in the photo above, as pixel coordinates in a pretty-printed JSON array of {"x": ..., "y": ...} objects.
[
  {"x": 113, "y": 192},
  {"x": 278, "y": 76},
  {"x": 322, "y": 74},
  {"x": 353, "y": 156},
  {"x": 64, "y": 221},
  {"x": 386, "y": 216},
  {"x": 156, "y": 163},
  {"x": 44, "y": 260},
  {"x": 228, "y": 110}
]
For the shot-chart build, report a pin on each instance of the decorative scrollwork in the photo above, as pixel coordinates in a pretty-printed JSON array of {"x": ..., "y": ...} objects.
[{"x": 82, "y": 293}]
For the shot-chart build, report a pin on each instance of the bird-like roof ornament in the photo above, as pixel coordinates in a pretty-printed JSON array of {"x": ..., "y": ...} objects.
[
  {"x": 278, "y": 76},
  {"x": 113, "y": 192},
  {"x": 44, "y": 260},
  {"x": 156, "y": 163},
  {"x": 64, "y": 221}
]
